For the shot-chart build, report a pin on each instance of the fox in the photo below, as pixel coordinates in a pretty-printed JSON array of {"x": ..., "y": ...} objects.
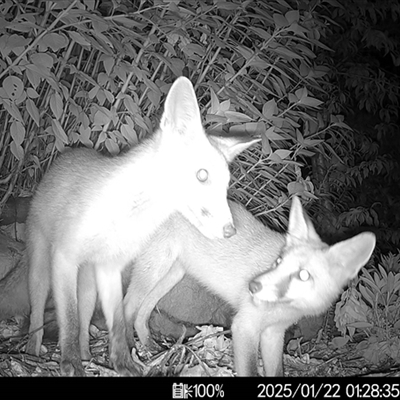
[
  {"x": 93, "y": 214},
  {"x": 270, "y": 279}
]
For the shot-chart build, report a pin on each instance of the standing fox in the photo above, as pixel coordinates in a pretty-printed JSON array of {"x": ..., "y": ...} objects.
[
  {"x": 94, "y": 214},
  {"x": 270, "y": 279}
]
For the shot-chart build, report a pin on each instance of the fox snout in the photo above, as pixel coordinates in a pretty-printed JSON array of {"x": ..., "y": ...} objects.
[
  {"x": 267, "y": 292},
  {"x": 229, "y": 230}
]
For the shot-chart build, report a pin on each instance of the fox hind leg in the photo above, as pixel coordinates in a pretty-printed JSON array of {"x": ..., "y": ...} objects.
[
  {"x": 39, "y": 288},
  {"x": 110, "y": 291},
  {"x": 87, "y": 295},
  {"x": 65, "y": 277},
  {"x": 174, "y": 275}
]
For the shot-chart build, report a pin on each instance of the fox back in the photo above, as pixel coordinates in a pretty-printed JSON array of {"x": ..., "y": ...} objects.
[
  {"x": 97, "y": 212},
  {"x": 270, "y": 279}
]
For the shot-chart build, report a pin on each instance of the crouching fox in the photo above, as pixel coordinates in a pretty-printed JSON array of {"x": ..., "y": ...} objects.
[
  {"x": 270, "y": 279},
  {"x": 95, "y": 214}
]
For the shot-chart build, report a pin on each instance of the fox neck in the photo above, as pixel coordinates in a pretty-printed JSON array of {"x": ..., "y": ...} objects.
[
  {"x": 133, "y": 202},
  {"x": 150, "y": 183}
]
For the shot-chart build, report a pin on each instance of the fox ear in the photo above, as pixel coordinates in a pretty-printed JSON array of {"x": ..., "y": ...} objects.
[
  {"x": 352, "y": 254},
  {"x": 181, "y": 110},
  {"x": 231, "y": 146},
  {"x": 300, "y": 225}
]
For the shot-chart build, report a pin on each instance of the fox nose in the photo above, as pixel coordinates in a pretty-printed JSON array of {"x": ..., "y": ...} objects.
[
  {"x": 229, "y": 230},
  {"x": 255, "y": 286}
]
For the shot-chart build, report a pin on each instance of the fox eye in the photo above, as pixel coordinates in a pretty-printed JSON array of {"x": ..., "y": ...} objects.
[
  {"x": 304, "y": 275},
  {"x": 202, "y": 175},
  {"x": 277, "y": 262}
]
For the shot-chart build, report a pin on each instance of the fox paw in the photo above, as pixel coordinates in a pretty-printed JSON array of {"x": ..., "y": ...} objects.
[
  {"x": 71, "y": 368},
  {"x": 124, "y": 365},
  {"x": 33, "y": 345}
]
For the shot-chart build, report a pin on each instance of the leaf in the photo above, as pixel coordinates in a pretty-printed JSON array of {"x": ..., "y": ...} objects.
[
  {"x": 225, "y": 105},
  {"x": 13, "y": 87},
  {"x": 282, "y": 153},
  {"x": 219, "y": 119},
  {"x": 108, "y": 63},
  {"x": 170, "y": 48},
  {"x": 56, "y": 105},
  {"x": 261, "y": 32},
  {"x": 293, "y": 98},
  {"x": 16, "y": 41},
  {"x": 129, "y": 22},
  {"x": 58, "y": 131},
  {"x": 102, "y": 116},
  {"x": 33, "y": 77},
  {"x": 367, "y": 294},
  {"x": 292, "y": 16},
  {"x": 269, "y": 109},
  {"x": 245, "y": 52},
  {"x": 131, "y": 106},
  {"x": 42, "y": 60},
  {"x": 301, "y": 93},
  {"x": 53, "y": 40},
  {"x": 17, "y": 131},
  {"x": 177, "y": 66},
  {"x": 154, "y": 97},
  {"x": 193, "y": 48},
  {"x": 214, "y": 103},
  {"x": 295, "y": 188},
  {"x": 340, "y": 341},
  {"x": 129, "y": 133},
  {"x": 78, "y": 38},
  {"x": 225, "y": 5},
  {"x": 111, "y": 146},
  {"x": 93, "y": 91},
  {"x": 383, "y": 272},
  {"x": 236, "y": 117},
  {"x": 258, "y": 62},
  {"x": 84, "y": 136},
  {"x": 287, "y": 54},
  {"x": 311, "y": 102},
  {"x": 272, "y": 135},
  {"x": 33, "y": 111},
  {"x": 280, "y": 21},
  {"x": 109, "y": 96},
  {"x": 17, "y": 150},
  {"x": 32, "y": 93},
  {"x": 266, "y": 147},
  {"x": 12, "y": 109}
]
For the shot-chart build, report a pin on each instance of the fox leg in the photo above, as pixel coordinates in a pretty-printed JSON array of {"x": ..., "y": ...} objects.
[
  {"x": 148, "y": 270},
  {"x": 87, "y": 295},
  {"x": 65, "y": 277},
  {"x": 174, "y": 275},
  {"x": 271, "y": 344},
  {"x": 246, "y": 338},
  {"x": 39, "y": 287},
  {"x": 110, "y": 292},
  {"x": 142, "y": 281}
]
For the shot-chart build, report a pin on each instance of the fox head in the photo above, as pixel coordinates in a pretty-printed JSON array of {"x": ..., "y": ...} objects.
[
  {"x": 309, "y": 274},
  {"x": 197, "y": 165}
]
